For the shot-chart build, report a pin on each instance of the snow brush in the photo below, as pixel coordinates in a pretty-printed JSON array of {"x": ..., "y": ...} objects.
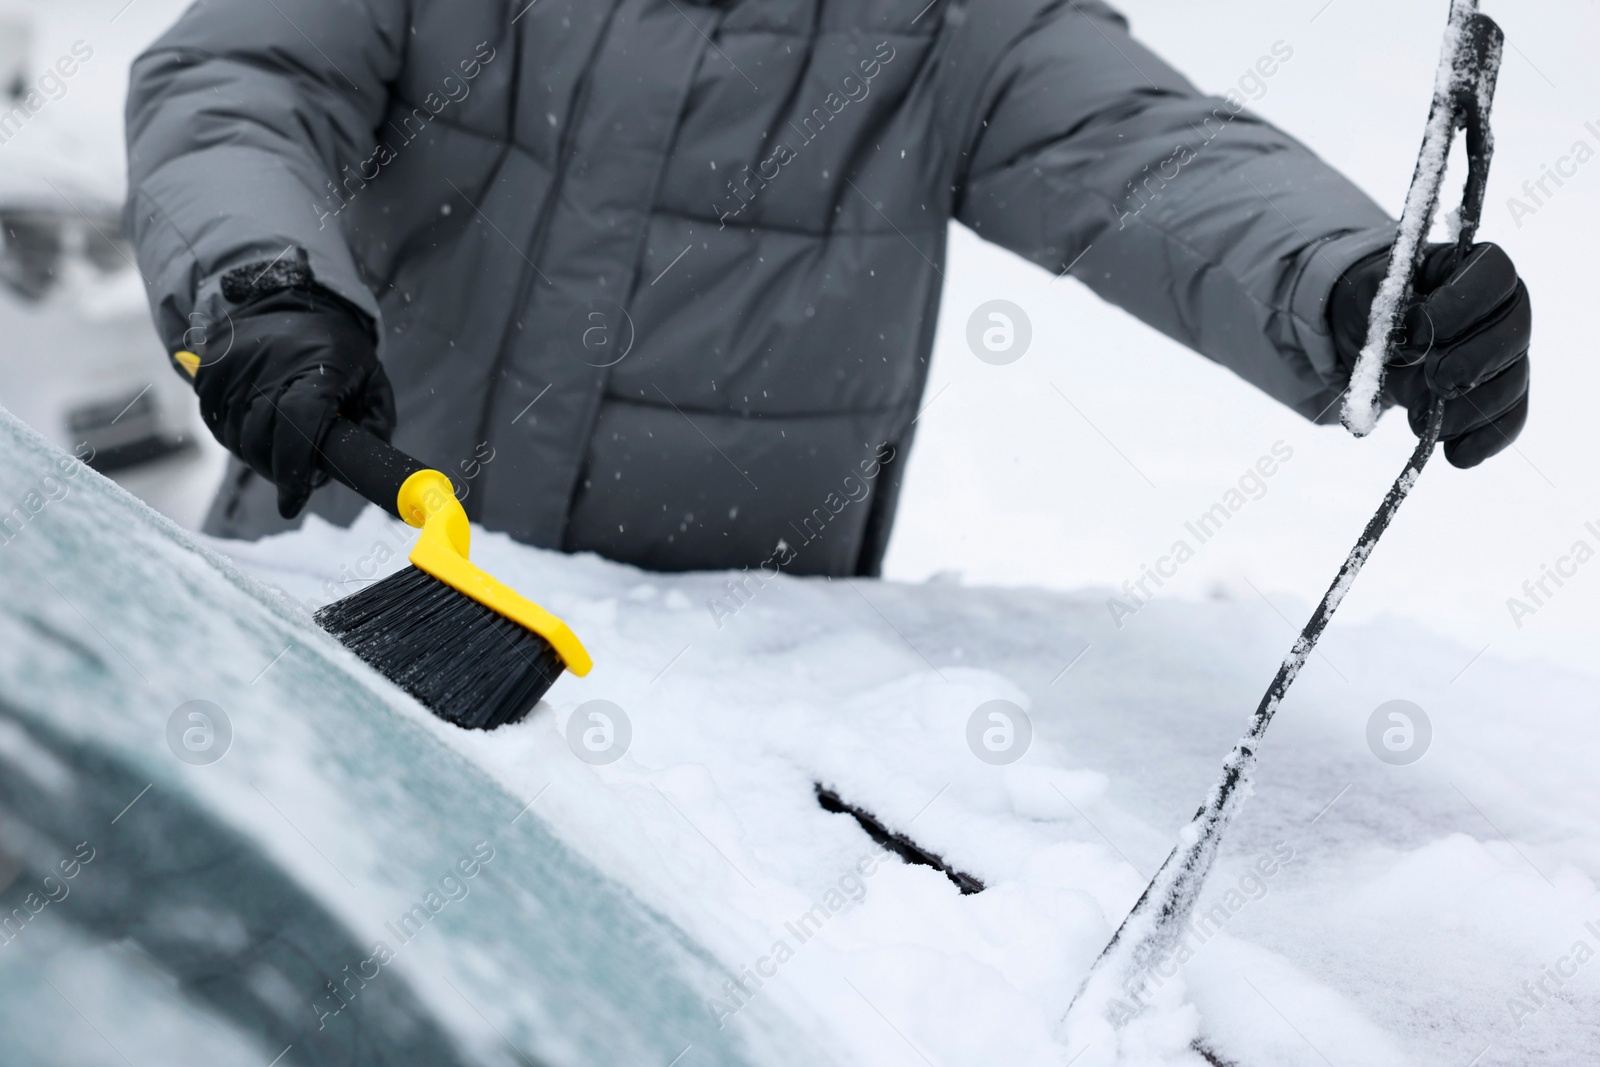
[
  {"x": 1463, "y": 91},
  {"x": 472, "y": 650}
]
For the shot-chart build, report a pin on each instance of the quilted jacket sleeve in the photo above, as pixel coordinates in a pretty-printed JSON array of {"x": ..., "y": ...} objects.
[
  {"x": 239, "y": 118},
  {"x": 1186, "y": 210}
]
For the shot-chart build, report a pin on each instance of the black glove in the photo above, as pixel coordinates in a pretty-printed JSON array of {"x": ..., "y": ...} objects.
[
  {"x": 1465, "y": 338},
  {"x": 296, "y": 358}
]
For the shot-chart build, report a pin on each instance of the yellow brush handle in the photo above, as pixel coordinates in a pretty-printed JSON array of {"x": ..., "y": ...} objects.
[{"x": 427, "y": 500}]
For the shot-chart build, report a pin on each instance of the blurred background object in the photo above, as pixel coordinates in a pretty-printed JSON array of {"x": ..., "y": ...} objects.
[
  {"x": 82, "y": 363},
  {"x": 15, "y": 33},
  {"x": 75, "y": 300},
  {"x": 79, "y": 359}
]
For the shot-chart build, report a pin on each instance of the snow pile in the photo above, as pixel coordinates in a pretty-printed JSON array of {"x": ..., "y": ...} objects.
[
  {"x": 1361, "y": 406},
  {"x": 1360, "y": 911}
]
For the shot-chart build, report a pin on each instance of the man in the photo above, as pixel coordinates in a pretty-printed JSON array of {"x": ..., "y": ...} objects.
[{"x": 658, "y": 278}]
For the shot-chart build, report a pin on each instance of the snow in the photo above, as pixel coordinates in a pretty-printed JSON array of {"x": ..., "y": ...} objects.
[
  {"x": 1361, "y": 406},
  {"x": 1396, "y": 935},
  {"x": 75, "y": 139}
]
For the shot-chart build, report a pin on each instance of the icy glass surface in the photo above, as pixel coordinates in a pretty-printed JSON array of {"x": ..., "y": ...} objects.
[
  {"x": 125, "y": 994},
  {"x": 338, "y": 887}
]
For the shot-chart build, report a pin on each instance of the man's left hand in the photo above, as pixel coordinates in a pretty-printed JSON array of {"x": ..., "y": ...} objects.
[{"x": 1466, "y": 338}]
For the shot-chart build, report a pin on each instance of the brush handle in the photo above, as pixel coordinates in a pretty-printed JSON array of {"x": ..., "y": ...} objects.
[
  {"x": 360, "y": 459},
  {"x": 373, "y": 468}
]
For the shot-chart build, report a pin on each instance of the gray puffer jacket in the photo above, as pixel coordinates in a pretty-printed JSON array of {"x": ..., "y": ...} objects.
[{"x": 659, "y": 278}]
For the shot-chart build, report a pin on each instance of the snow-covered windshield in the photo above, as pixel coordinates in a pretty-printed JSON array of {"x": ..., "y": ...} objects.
[{"x": 218, "y": 831}]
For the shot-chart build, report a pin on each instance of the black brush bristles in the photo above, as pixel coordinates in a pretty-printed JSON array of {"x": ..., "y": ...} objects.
[{"x": 466, "y": 663}]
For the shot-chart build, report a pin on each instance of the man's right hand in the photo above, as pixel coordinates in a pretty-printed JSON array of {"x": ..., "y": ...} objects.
[{"x": 297, "y": 359}]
